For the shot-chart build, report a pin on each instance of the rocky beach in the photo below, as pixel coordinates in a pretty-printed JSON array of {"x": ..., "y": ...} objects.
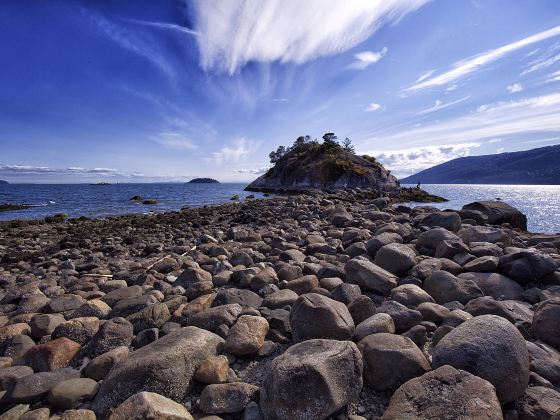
[{"x": 319, "y": 305}]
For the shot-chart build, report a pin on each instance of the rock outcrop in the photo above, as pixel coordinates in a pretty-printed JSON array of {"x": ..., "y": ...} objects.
[{"x": 318, "y": 166}]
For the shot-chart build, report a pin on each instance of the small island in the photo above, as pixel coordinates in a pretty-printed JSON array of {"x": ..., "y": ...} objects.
[
  {"x": 3, "y": 182},
  {"x": 203, "y": 181}
]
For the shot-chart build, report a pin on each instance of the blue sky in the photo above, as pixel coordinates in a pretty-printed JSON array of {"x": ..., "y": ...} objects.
[{"x": 155, "y": 91}]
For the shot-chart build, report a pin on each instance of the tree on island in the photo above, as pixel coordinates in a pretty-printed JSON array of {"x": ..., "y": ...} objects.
[
  {"x": 330, "y": 144},
  {"x": 348, "y": 146}
]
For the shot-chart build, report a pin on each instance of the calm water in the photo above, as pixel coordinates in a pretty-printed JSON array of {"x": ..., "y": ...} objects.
[
  {"x": 541, "y": 204},
  {"x": 103, "y": 200}
]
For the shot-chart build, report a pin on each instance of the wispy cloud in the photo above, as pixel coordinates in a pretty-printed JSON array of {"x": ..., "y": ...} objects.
[
  {"x": 236, "y": 32},
  {"x": 439, "y": 105},
  {"x": 28, "y": 169},
  {"x": 469, "y": 65},
  {"x": 139, "y": 45},
  {"x": 175, "y": 141},
  {"x": 256, "y": 171},
  {"x": 409, "y": 161},
  {"x": 365, "y": 59},
  {"x": 425, "y": 75},
  {"x": 373, "y": 107},
  {"x": 238, "y": 150},
  {"x": 495, "y": 140},
  {"x": 554, "y": 77},
  {"x": 547, "y": 59},
  {"x": 514, "y": 88},
  {"x": 165, "y": 26},
  {"x": 496, "y": 120}
]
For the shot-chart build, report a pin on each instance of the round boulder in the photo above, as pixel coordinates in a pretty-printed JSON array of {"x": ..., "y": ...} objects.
[
  {"x": 395, "y": 258},
  {"x": 546, "y": 325},
  {"x": 390, "y": 360},
  {"x": 491, "y": 347},
  {"x": 445, "y": 393},
  {"x": 317, "y": 316},
  {"x": 312, "y": 380}
]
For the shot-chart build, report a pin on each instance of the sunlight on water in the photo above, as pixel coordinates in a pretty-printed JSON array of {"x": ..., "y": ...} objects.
[{"x": 541, "y": 203}]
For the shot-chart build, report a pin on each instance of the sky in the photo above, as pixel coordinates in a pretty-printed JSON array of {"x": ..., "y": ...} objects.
[{"x": 146, "y": 91}]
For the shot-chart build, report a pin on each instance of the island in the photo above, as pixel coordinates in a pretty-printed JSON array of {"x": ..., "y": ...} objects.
[
  {"x": 203, "y": 181},
  {"x": 529, "y": 167},
  {"x": 3, "y": 182}
]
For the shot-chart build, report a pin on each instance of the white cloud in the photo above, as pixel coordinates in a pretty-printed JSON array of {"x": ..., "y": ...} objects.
[
  {"x": 554, "y": 77},
  {"x": 424, "y": 76},
  {"x": 240, "y": 149},
  {"x": 495, "y": 140},
  {"x": 365, "y": 59},
  {"x": 175, "y": 141},
  {"x": 410, "y": 161},
  {"x": 500, "y": 150},
  {"x": 28, "y": 169},
  {"x": 165, "y": 26},
  {"x": 530, "y": 115},
  {"x": 547, "y": 59},
  {"x": 516, "y": 87},
  {"x": 236, "y": 32},
  {"x": 373, "y": 107},
  {"x": 256, "y": 171},
  {"x": 439, "y": 105},
  {"x": 471, "y": 64}
]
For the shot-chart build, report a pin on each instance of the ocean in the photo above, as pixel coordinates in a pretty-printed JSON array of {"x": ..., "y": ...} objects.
[{"x": 541, "y": 203}]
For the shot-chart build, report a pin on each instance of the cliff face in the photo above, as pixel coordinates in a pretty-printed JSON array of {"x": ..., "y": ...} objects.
[
  {"x": 316, "y": 166},
  {"x": 530, "y": 167}
]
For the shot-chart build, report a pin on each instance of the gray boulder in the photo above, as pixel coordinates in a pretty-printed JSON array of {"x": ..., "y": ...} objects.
[
  {"x": 317, "y": 316},
  {"x": 390, "y": 360},
  {"x": 490, "y": 347},
  {"x": 165, "y": 366},
  {"x": 546, "y": 325},
  {"x": 395, "y": 258},
  {"x": 369, "y": 276},
  {"x": 312, "y": 380},
  {"x": 495, "y": 285},
  {"x": 445, "y": 393},
  {"x": 444, "y": 287}
]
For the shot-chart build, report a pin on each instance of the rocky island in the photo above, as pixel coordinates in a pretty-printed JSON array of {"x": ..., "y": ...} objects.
[
  {"x": 339, "y": 304},
  {"x": 203, "y": 181}
]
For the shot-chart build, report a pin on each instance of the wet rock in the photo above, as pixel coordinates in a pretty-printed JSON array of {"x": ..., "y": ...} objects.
[
  {"x": 327, "y": 372},
  {"x": 445, "y": 393},
  {"x": 317, "y": 316},
  {"x": 149, "y": 405},
  {"x": 390, "y": 360},
  {"x": 227, "y": 398},
  {"x": 490, "y": 347},
  {"x": 148, "y": 368}
]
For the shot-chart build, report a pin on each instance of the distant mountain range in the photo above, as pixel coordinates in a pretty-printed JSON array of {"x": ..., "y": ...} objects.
[{"x": 531, "y": 167}]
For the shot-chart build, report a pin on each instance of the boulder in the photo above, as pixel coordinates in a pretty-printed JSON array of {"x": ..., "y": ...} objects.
[
  {"x": 312, "y": 380},
  {"x": 540, "y": 402},
  {"x": 280, "y": 299},
  {"x": 369, "y": 276},
  {"x": 68, "y": 394},
  {"x": 490, "y": 347},
  {"x": 498, "y": 212},
  {"x": 545, "y": 361},
  {"x": 112, "y": 334},
  {"x": 444, "y": 287},
  {"x": 546, "y": 325},
  {"x": 495, "y": 285},
  {"x": 432, "y": 238},
  {"x": 165, "y": 366},
  {"x": 395, "y": 258},
  {"x": 378, "y": 323},
  {"x": 247, "y": 335},
  {"x": 445, "y": 393},
  {"x": 317, "y": 316},
  {"x": 410, "y": 295},
  {"x": 390, "y": 360},
  {"x": 484, "y": 234},
  {"x": 53, "y": 355},
  {"x": 149, "y": 405},
  {"x": 210, "y": 319},
  {"x": 99, "y": 367},
  {"x": 403, "y": 317},
  {"x": 444, "y": 219},
  {"x": 213, "y": 370},
  {"x": 80, "y": 330},
  {"x": 526, "y": 266},
  {"x": 227, "y": 398},
  {"x": 33, "y": 388}
]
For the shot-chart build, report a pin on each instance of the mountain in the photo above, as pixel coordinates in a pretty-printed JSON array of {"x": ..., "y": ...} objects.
[
  {"x": 323, "y": 166},
  {"x": 203, "y": 181},
  {"x": 531, "y": 167}
]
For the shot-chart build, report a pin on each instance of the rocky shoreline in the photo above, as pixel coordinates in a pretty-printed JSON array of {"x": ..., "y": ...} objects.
[{"x": 333, "y": 305}]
